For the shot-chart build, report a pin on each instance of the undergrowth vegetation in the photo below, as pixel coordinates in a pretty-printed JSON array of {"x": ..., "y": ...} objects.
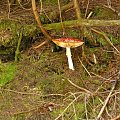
[
  {"x": 7, "y": 73},
  {"x": 39, "y": 85}
]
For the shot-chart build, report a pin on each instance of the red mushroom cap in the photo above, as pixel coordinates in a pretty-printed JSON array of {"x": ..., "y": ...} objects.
[{"x": 68, "y": 42}]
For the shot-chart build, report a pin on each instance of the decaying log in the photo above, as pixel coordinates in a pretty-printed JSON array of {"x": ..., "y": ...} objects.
[{"x": 83, "y": 22}]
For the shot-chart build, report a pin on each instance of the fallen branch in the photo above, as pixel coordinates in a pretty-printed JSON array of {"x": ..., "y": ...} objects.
[
  {"x": 41, "y": 108},
  {"x": 80, "y": 88},
  {"x": 106, "y": 101},
  {"x": 84, "y": 67},
  {"x": 43, "y": 43},
  {"x": 106, "y": 38},
  {"x": 83, "y": 22},
  {"x": 31, "y": 93},
  {"x": 67, "y": 107}
]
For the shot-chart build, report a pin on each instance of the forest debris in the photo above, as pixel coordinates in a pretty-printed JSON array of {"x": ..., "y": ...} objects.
[
  {"x": 71, "y": 103},
  {"x": 32, "y": 93},
  {"x": 80, "y": 88},
  {"x": 106, "y": 101},
  {"x": 43, "y": 43},
  {"x": 84, "y": 67},
  {"x": 83, "y": 22},
  {"x": 106, "y": 38},
  {"x": 116, "y": 118},
  {"x": 17, "y": 52}
]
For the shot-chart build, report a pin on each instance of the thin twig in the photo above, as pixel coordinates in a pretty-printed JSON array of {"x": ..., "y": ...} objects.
[
  {"x": 76, "y": 93},
  {"x": 86, "y": 111},
  {"x": 41, "y": 6},
  {"x": 61, "y": 17},
  {"x": 84, "y": 67},
  {"x": 80, "y": 88},
  {"x": 33, "y": 109},
  {"x": 116, "y": 118},
  {"x": 89, "y": 15},
  {"x": 67, "y": 107},
  {"x": 47, "y": 16},
  {"x": 23, "y": 6},
  {"x": 43, "y": 43},
  {"x": 17, "y": 52},
  {"x": 106, "y": 109},
  {"x": 109, "y": 3},
  {"x": 28, "y": 111},
  {"x": 87, "y": 8},
  {"x": 106, "y": 101},
  {"x": 100, "y": 76},
  {"x": 8, "y": 9},
  {"x": 29, "y": 93},
  {"x": 106, "y": 38},
  {"x": 75, "y": 114},
  {"x": 42, "y": 10}
]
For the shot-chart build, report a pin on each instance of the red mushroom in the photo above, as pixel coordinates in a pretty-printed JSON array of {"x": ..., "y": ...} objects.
[{"x": 68, "y": 43}]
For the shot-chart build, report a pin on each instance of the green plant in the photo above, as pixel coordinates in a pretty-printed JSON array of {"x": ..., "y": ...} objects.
[
  {"x": 114, "y": 40},
  {"x": 7, "y": 73}
]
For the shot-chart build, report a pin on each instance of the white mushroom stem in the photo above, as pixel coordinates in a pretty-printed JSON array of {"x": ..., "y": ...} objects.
[{"x": 70, "y": 63}]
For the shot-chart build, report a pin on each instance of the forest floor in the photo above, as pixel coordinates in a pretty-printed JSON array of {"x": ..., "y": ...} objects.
[{"x": 42, "y": 87}]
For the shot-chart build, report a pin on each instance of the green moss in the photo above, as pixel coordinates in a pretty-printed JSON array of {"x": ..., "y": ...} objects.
[
  {"x": 73, "y": 33},
  {"x": 91, "y": 107},
  {"x": 9, "y": 25},
  {"x": 6, "y": 52},
  {"x": 7, "y": 73},
  {"x": 114, "y": 40},
  {"x": 10, "y": 31},
  {"x": 30, "y": 30},
  {"x": 69, "y": 113},
  {"x": 97, "y": 82},
  {"x": 102, "y": 41},
  {"x": 49, "y": 85},
  {"x": 19, "y": 117}
]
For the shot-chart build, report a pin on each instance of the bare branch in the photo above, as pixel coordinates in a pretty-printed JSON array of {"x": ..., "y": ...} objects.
[
  {"x": 80, "y": 88},
  {"x": 38, "y": 20},
  {"x": 106, "y": 38},
  {"x": 106, "y": 101}
]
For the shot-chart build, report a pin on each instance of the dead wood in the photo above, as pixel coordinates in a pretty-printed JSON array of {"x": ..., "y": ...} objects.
[{"x": 83, "y": 22}]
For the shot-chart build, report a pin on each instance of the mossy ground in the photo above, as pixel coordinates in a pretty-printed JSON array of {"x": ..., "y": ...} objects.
[{"x": 38, "y": 86}]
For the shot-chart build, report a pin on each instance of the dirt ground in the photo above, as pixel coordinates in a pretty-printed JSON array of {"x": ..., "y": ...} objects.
[{"x": 44, "y": 88}]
